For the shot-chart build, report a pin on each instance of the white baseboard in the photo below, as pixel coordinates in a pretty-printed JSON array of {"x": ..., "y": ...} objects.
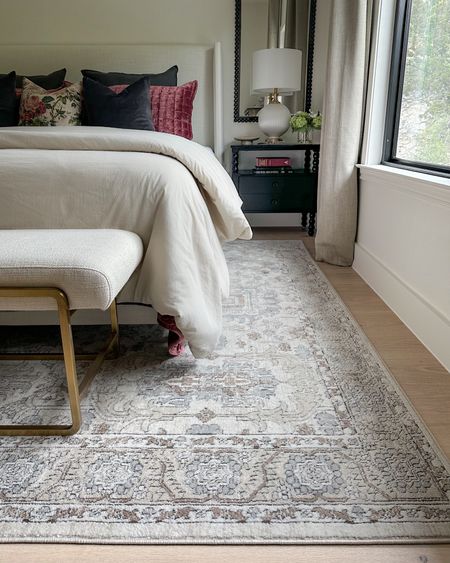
[
  {"x": 430, "y": 326},
  {"x": 128, "y": 314}
]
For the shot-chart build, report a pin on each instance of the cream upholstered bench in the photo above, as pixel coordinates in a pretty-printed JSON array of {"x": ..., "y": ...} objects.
[{"x": 65, "y": 270}]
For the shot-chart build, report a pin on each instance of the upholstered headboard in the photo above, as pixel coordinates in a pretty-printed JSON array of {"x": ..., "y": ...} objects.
[{"x": 195, "y": 62}]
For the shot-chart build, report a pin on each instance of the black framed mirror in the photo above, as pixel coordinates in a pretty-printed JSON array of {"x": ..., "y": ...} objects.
[{"x": 260, "y": 24}]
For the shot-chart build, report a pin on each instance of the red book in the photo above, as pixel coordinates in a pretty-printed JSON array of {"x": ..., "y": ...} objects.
[{"x": 273, "y": 161}]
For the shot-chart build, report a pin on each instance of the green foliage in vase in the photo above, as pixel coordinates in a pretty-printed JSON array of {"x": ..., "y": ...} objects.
[
  {"x": 304, "y": 121},
  {"x": 317, "y": 121}
]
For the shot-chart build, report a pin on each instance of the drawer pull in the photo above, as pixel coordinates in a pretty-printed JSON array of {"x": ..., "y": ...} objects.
[
  {"x": 275, "y": 184},
  {"x": 275, "y": 202}
]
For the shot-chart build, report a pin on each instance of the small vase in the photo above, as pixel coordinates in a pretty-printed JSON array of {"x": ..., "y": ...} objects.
[{"x": 305, "y": 137}]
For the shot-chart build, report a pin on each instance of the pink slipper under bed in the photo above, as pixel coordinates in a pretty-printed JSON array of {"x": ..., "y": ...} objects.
[{"x": 176, "y": 339}]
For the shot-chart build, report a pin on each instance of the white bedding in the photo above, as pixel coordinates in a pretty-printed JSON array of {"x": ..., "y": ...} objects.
[{"x": 172, "y": 192}]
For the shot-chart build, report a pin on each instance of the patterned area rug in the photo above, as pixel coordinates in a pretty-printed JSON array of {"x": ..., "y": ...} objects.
[{"x": 293, "y": 432}]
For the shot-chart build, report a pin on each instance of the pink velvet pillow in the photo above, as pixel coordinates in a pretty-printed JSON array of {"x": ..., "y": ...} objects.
[{"x": 171, "y": 106}]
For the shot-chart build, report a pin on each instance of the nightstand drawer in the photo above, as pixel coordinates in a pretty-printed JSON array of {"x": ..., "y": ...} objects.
[
  {"x": 259, "y": 203},
  {"x": 286, "y": 194},
  {"x": 265, "y": 185}
]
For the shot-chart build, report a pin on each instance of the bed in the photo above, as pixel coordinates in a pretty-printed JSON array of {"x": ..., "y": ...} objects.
[{"x": 173, "y": 192}]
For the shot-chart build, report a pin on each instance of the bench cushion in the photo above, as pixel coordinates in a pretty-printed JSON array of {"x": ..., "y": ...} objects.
[{"x": 90, "y": 265}]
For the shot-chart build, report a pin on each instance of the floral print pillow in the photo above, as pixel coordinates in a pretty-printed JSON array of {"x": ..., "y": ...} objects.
[{"x": 50, "y": 107}]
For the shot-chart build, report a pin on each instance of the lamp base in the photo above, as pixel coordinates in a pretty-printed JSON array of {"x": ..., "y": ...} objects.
[{"x": 273, "y": 120}]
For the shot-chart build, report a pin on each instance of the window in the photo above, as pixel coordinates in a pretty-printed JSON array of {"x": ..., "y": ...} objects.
[{"x": 417, "y": 134}]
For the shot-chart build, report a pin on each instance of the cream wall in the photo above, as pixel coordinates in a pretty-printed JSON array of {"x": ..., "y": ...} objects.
[{"x": 141, "y": 21}]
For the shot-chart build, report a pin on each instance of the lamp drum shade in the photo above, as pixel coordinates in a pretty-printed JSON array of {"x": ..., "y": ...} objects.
[{"x": 277, "y": 68}]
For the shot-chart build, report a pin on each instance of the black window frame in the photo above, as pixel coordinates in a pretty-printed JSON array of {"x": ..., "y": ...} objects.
[{"x": 394, "y": 100}]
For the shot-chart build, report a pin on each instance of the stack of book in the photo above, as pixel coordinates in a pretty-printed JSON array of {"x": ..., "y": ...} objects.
[{"x": 273, "y": 165}]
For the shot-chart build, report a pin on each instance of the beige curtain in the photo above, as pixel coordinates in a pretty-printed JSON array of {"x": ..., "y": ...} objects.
[{"x": 348, "y": 50}]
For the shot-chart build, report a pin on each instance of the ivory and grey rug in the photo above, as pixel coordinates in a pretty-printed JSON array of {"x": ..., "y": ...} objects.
[{"x": 293, "y": 432}]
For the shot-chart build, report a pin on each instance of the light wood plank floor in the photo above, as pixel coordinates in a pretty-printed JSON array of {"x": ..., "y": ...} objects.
[{"x": 424, "y": 380}]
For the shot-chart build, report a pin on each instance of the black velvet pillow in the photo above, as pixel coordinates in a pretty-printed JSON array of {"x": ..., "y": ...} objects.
[
  {"x": 47, "y": 81},
  {"x": 166, "y": 78},
  {"x": 8, "y": 100},
  {"x": 128, "y": 110}
]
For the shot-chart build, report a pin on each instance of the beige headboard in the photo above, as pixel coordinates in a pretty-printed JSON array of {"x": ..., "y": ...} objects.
[{"x": 195, "y": 62}]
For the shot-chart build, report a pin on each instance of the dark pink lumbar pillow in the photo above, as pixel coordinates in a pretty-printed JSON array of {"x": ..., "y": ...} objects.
[{"x": 172, "y": 107}]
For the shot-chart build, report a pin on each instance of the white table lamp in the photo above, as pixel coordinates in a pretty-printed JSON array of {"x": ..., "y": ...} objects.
[{"x": 275, "y": 72}]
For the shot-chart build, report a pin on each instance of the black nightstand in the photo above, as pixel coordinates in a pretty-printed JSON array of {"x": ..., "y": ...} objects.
[{"x": 294, "y": 192}]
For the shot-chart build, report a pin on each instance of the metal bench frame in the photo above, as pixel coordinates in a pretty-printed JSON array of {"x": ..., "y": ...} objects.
[{"x": 75, "y": 391}]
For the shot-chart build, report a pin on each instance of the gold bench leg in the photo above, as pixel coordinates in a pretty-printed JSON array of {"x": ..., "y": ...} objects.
[
  {"x": 68, "y": 355},
  {"x": 71, "y": 370},
  {"x": 111, "y": 346}
]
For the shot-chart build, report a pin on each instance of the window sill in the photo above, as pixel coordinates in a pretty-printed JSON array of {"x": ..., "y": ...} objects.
[{"x": 423, "y": 185}]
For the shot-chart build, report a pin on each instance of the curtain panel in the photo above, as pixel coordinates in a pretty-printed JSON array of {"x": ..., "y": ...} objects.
[{"x": 343, "y": 115}]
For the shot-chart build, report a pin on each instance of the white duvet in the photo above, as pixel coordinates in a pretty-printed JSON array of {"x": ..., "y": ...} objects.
[{"x": 170, "y": 191}]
